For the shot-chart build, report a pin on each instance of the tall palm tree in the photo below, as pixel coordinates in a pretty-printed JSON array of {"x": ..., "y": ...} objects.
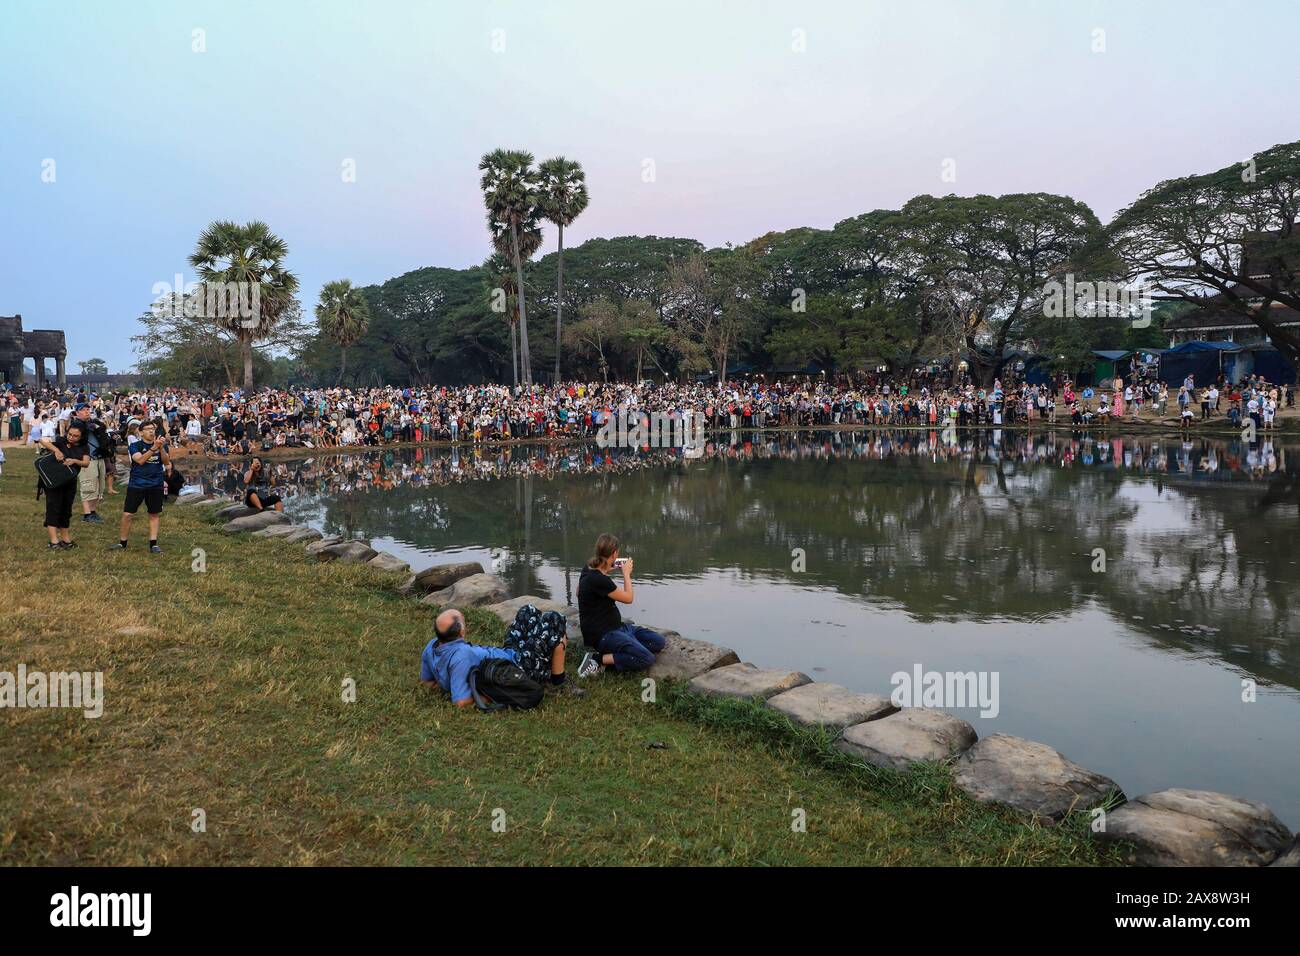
[
  {"x": 252, "y": 256},
  {"x": 530, "y": 240},
  {"x": 344, "y": 315},
  {"x": 502, "y": 276},
  {"x": 563, "y": 198},
  {"x": 509, "y": 186}
]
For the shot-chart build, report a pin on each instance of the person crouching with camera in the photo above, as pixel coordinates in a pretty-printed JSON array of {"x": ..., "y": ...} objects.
[
  {"x": 613, "y": 642},
  {"x": 150, "y": 464}
]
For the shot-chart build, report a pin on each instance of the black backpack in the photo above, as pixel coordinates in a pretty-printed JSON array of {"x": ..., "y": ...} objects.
[
  {"x": 504, "y": 684},
  {"x": 52, "y": 473}
]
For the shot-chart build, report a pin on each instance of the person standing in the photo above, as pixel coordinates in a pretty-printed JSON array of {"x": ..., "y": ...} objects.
[
  {"x": 70, "y": 449},
  {"x": 150, "y": 464},
  {"x": 91, "y": 480}
]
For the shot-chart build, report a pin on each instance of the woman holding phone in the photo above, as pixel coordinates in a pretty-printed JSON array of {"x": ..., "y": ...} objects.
[
  {"x": 614, "y": 643},
  {"x": 255, "y": 496}
]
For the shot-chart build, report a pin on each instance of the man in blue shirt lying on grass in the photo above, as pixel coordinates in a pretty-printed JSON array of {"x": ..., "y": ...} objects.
[{"x": 535, "y": 642}]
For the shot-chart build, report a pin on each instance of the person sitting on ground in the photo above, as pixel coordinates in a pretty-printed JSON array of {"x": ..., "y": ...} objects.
[
  {"x": 613, "y": 643},
  {"x": 535, "y": 642},
  {"x": 255, "y": 496}
]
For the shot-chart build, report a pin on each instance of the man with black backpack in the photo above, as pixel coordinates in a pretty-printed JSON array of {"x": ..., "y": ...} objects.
[
  {"x": 103, "y": 452},
  {"x": 534, "y": 645}
]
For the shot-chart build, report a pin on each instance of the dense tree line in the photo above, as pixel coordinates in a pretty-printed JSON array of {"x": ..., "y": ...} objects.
[{"x": 939, "y": 280}]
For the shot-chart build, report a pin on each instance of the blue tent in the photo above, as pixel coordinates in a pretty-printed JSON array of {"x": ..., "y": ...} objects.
[
  {"x": 1259, "y": 359},
  {"x": 1201, "y": 360},
  {"x": 1038, "y": 370}
]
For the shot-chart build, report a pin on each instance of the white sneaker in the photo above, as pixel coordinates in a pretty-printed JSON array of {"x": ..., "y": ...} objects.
[{"x": 590, "y": 666}]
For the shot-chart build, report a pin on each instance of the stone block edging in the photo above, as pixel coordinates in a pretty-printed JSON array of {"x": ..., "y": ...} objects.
[{"x": 1175, "y": 827}]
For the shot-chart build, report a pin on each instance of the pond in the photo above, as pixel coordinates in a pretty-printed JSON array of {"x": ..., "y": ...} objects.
[{"x": 1134, "y": 596}]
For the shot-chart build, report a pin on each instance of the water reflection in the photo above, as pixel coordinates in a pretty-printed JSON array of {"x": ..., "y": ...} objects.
[
  {"x": 996, "y": 525},
  {"x": 977, "y": 554}
]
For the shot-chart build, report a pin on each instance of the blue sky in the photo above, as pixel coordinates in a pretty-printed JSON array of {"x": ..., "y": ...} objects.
[{"x": 152, "y": 140}]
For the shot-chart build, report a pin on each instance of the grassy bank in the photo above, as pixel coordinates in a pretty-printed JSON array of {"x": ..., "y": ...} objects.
[{"x": 223, "y": 692}]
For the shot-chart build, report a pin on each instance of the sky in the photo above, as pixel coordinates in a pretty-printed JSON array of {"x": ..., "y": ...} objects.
[{"x": 124, "y": 132}]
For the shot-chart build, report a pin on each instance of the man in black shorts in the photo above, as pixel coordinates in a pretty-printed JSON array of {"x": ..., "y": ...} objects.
[{"x": 149, "y": 466}]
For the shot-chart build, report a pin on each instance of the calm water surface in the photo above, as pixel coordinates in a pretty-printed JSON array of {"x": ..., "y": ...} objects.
[{"x": 976, "y": 556}]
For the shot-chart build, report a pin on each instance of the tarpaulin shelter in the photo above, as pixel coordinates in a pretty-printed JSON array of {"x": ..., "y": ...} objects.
[
  {"x": 734, "y": 369},
  {"x": 1202, "y": 360},
  {"x": 1259, "y": 359},
  {"x": 1038, "y": 370},
  {"x": 1107, "y": 364}
]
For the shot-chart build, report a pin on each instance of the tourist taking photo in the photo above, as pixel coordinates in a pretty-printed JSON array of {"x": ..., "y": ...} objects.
[
  {"x": 150, "y": 464},
  {"x": 614, "y": 643}
]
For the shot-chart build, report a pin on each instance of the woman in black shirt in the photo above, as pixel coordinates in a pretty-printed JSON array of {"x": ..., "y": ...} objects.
[
  {"x": 72, "y": 450},
  {"x": 256, "y": 496},
  {"x": 613, "y": 642}
]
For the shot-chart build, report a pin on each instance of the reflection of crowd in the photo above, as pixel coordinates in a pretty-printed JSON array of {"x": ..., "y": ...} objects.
[
  {"x": 330, "y": 475},
  {"x": 237, "y": 423}
]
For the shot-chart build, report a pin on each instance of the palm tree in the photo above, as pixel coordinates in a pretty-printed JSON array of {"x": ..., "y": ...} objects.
[
  {"x": 344, "y": 315},
  {"x": 563, "y": 198},
  {"x": 530, "y": 240},
  {"x": 252, "y": 256},
  {"x": 510, "y": 193},
  {"x": 501, "y": 273}
]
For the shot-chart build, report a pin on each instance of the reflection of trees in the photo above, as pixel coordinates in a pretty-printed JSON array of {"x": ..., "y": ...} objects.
[
  {"x": 1229, "y": 565},
  {"x": 942, "y": 531}
]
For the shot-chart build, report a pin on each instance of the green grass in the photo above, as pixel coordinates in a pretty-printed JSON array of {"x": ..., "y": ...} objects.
[{"x": 223, "y": 691}]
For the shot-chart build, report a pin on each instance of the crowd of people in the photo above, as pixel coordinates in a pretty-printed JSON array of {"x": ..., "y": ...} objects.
[
  {"x": 80, "y": 433},
  {"x": 239, "y": 424},
  {"x": 86, "y": 428}
]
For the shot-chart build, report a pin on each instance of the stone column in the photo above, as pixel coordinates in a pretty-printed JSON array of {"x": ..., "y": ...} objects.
[
  {"x": 39, "y": 361},
  {"x": 60, "y": 373}
]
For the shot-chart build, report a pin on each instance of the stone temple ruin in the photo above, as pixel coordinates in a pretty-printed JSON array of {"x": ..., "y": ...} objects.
[{"x": 38, "y": 345}]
